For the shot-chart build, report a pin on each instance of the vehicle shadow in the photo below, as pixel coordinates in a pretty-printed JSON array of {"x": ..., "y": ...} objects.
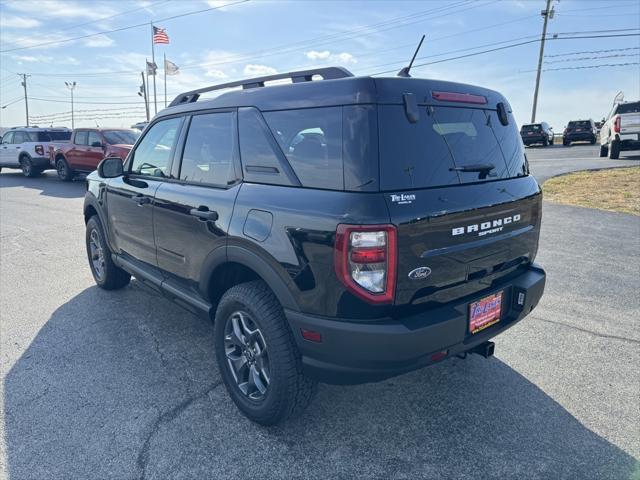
[
  {"x": 48, "y": 183},
  {"x": 124, "y": 385}
]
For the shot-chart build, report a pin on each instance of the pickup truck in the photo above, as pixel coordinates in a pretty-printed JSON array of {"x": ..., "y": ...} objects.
[
  {"x": 621, "y": 131},
  {"x": 88, "y": 146}
]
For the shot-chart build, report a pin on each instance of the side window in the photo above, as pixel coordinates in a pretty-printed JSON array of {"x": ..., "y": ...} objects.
[
  {"x": 153, "y": 154},
  {"x": 19, "y": 137},
  {"x": 208, "y": 151},
  {"x": 259, "y": 160},
  {"x": 94, "y": 139},
  {"x": 311, "y": 139},
  {"x": 8, "y": 138},
  {"x": 81, "y": 138}
]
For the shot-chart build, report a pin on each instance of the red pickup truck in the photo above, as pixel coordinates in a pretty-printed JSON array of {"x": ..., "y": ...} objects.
[{"x": 88, "y": 146}]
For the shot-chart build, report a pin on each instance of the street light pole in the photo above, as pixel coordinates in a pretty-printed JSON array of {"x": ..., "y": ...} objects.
[
  {"x": 546, "y": 13},
  {"x": 71, "y": 86}
]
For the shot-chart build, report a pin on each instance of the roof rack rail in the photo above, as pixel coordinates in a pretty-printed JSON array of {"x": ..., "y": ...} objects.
[{"x": 328, "y": 73}]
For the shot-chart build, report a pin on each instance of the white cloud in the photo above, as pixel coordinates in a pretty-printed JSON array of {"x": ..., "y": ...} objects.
[
  {"x": 99, "y": 41},
  {"x": 251, "y": 69},
  {"x": 214, "y": 73},
  {"x": 315, "y": 55},
  {"x": 19, "y": 22},
  {"x": 62, "y": 9},
  {"x": 342, "y": 58},
  {"x": 25, "y": 58}
]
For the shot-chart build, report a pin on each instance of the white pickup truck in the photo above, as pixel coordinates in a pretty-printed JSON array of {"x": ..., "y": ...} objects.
[{"x": 621, "y": 131}]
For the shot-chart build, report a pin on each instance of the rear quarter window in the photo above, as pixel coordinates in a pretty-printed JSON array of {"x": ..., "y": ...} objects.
[
  {"x": 631, "y": 107},
  {"x": 311, "y": 139}
]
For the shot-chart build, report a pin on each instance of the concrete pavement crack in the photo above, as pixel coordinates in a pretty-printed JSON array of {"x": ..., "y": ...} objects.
[
  {"x": 163, "y": 419},
  {"x": 590, "y": 332}
]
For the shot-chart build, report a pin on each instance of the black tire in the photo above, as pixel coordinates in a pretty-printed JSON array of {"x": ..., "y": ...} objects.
[
  {"x": 545, "y": 142},
  {"x": 110, "y": 276},
  {"x": 604, "y": 151},
  {"x": 28, "y": 170},
  {"x": 614, "y": 150},
  {"x": 593, "y": 141},
  {"x": 566, "y": 143},
  {"x": 287, "y": 391},
  {"x": 64, "y": 171}
]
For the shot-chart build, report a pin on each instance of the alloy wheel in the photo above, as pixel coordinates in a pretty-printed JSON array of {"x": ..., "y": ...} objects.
[
  {"x": 97, "y": 254},
  {"x": 247, "y": 356}
]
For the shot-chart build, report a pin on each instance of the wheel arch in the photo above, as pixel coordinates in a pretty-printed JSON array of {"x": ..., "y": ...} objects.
[{"x": 228, "y": 266}]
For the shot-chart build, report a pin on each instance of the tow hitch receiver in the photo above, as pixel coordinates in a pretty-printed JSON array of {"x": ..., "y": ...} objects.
[{"x": 485, "y": 349}]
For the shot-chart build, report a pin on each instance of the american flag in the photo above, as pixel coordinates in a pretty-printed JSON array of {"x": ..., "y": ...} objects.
[{"x": 160, "y": 35}]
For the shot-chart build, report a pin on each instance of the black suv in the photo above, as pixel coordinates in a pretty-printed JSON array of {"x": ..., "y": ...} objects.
[
  {"x": 537, "y": 133},
  {"x": 579, "y": 131},
  {"x": 343, "y": 230}
]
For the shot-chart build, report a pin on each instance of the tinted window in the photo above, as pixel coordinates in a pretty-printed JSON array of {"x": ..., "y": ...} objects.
[
  {"x": 208, "y": 151},
  {"x": 81, "y": 138},
  {"x": 260, "y": 160},
  {"x": 432, "y": 151},
  {"x": 579, "y": 124},
  {"x": 153, "y": 154},
  {"x": 631, "y": 107},
  {"x": 94, "y": 139},
  {"x": 52, "y": 136},
  {"x": 530, "y": 128},
  {"x": 8, "y": 138},
  {"x": 312, "y": 141},
  {"x": 124, "y": 137}
]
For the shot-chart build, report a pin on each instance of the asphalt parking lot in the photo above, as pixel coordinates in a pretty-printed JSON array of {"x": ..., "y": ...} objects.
[{"x": 124, "y": 384}]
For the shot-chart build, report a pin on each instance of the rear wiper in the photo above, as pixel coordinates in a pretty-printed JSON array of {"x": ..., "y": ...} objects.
[
  {"x": 483, "y": 168},
  {"x": 476, "y": 167}
]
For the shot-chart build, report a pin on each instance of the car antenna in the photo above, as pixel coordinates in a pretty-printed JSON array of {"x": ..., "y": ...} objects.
[{"x": 405, "y": 71}]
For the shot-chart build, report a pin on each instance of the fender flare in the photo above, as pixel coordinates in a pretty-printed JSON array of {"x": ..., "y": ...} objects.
[
  {"x": 91, "y": 201},
  {"x": 252, "y": 260}
]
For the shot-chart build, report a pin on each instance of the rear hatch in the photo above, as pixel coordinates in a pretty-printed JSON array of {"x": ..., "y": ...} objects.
[
  {"x": 579, "y": 127},
  {"x": 531, "y": 131},
  {"x": 457, "y": 186}
]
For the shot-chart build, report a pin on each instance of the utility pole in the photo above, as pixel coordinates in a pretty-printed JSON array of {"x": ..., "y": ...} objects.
[
  {"x": 143, "y": 94},
  {"x": 71, "y": 86},
  {"x": 153, "y": 60},
  {"x": 547, "y": 13},
  {"x": 26, "y": 101}
]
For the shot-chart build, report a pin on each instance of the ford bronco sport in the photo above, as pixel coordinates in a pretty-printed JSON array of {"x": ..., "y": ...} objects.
[{"x": 343, "y": 230}]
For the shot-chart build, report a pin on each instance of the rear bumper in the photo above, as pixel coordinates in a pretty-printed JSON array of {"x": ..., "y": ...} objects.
[
  {"x": 579, "y": 137},
  {"x": 41, "y": 162},
  {"x": 358, "y": 352},
  {"x": 532, "y": 140}
]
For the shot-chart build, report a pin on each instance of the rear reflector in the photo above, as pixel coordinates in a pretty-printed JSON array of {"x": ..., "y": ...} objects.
[
  {"x": 311, "y": 335},
  {"x": 439, "y": 355},
  {"x": 459, "y": 97}
]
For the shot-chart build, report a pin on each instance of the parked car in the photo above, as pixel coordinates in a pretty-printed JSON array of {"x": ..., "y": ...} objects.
[
  {"x": 342, "y": 230},
  {"x": 27, "y": 147},
  {"x": 88, "y": 147},
  {"x": 579, "y": 131},
  {"x": 621, "y": 131},
  {"x": 537, "y": 133}
]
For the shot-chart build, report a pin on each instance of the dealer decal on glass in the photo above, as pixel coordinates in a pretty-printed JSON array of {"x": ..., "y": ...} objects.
[{"x": 485, "y": 312}]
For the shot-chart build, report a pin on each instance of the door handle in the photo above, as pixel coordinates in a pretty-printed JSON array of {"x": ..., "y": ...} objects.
[
  {"x": 203, "y": 213},
  {"x": 141, "y": 200}
]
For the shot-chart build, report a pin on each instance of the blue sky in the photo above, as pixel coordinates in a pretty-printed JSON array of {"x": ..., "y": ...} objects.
[{"x": 261, "y": 36}]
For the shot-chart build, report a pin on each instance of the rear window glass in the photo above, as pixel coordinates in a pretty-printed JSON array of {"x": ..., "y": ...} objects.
[
  {"x": 531, "y": 128},
  {"x": 123, "y": 137},
  {"x": 53, "y": 136},
  {"x": 444, "y": 142},
  {"x": 81, "y": 138},
  {"x": 311, "y": 139},
  {"x": 579, "y": 124},
  {"x": 631, "y": 107}
]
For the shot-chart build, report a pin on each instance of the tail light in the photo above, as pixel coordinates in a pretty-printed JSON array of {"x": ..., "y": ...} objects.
[
  {"x": 616, "y": 124},
  {"x": 39, "y": 149},
  {"x": 459, "y": 97},
  {"x": 365, "y": 261}
]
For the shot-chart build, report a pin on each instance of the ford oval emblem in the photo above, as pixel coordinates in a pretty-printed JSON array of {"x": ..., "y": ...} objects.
[{"x": 419, "y": 273}]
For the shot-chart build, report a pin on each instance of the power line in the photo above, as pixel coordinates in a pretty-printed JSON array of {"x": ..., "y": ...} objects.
[
  {"x": 586, "y": 67},
  {"x": 54, "y": 42},
  {"x": 89, "y": 103},
  {"x": 582, "y": 59},
  {"x": 592, "y": 51}
]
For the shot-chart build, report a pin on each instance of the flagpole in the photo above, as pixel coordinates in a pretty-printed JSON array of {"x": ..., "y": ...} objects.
[
  {"x": 146, "y": 69},
  {"x": 164, "y": 68},
  {"x": 153, "y": 60}
]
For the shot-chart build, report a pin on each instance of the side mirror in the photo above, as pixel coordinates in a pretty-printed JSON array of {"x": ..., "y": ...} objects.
[
  {"x": 97, "y": 144},
  {"x": 111, "y": 167}
]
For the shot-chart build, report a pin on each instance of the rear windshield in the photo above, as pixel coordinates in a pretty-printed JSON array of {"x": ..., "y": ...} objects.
[
  {"x": 531, "y": 128},
  {"x": 49, "y": 136},
  {"x": 631, "y": 107},
  {"x": 442, "y": 144},
  {"x": 124, "y": 137},
  {"x": 579, "y": 124}
]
